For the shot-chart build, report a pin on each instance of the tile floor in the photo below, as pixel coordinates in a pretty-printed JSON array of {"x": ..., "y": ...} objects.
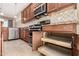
[{"x": 18, "y": 48}]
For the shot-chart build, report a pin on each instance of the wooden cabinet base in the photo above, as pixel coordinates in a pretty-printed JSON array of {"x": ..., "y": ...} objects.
[
  {"x": 5, "y": 33},
  {"x": 36, "y": 40}
]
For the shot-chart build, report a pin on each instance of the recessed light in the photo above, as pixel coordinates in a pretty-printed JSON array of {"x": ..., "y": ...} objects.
[
  {"x": 1, "y": 13},
  {"x": 15, "y": 16}
]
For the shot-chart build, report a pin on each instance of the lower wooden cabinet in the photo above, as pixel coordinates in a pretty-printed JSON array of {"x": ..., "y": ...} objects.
[
  {"x": 5, "y": 33},
  {"x": 63, "y": 31},
  {"x": 24, "y": 34},
  {"x": 36, "y": 40}
]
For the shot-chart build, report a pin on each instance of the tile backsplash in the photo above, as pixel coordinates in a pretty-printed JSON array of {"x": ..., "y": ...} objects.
[
  {"x": 60, "y": 17},
  {"x": 68, "y": 16}
]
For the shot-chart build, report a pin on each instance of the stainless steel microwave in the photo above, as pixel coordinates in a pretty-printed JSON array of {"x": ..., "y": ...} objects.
[{"x": 42, "y": 8}]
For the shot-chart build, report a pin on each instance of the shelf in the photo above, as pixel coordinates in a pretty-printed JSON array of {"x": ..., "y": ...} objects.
[
  {"x": 57, "y": 42},
  {"x": 54, "y": 51}
]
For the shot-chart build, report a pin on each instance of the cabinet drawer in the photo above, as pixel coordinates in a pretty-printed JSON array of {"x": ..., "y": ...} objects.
[{"x": 60, "y": 28}]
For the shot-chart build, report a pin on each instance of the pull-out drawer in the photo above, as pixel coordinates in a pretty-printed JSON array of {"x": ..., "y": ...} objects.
[{"x": 71, "y": 28}]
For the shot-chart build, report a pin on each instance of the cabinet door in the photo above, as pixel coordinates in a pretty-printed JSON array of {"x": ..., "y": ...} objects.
[
  {"x": 28, "y": 13},
  {"x": 22, "y": 16},
  {"x": 32, "y": 11},
  {"x": 24, "y": 34},
  {"x": 63, "y": 5},
  {"x": 5, "y": 33},
  {"x": 32, "y": 7},
  {"x": 35, "y": 5},
  {"x": 21, "y": 33},
  {"x": 51, "y": 7},
  {"x": 25, "y": 15},
  {"x": 36, "y": 40}
]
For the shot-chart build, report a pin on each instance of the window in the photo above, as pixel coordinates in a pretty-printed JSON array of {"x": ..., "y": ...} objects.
[{"x": 5, "y": 23}]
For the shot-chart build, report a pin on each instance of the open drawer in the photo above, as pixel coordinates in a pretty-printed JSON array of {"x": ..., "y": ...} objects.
[
  {"x": 66, "y": 28},
  {"x": 64, "y": 43},
  {"x": 54, "y": 51}
]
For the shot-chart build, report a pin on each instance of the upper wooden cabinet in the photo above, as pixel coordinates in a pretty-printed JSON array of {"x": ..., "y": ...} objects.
[
  {"x": 22, "y": 16},
  {"x": 51, "y": 7},
  {"x": 28, "y": 13}
]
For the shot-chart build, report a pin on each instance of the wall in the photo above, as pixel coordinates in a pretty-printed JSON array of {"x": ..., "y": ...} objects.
[{"x": 66, "y": 15}]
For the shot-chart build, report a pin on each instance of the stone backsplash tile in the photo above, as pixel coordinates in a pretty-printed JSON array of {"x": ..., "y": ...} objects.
[{"x": 68, "y": 16}]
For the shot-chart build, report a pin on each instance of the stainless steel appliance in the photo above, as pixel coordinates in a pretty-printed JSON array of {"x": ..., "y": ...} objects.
[
  {"x": 35, "y": 27},
  {"x": 42, "y": 8},
  {"x": 45, "y": 22},
  {"x": 13, "y": 33}
]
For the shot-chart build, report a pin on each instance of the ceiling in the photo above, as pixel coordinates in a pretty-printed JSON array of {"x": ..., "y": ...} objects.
[{"x": 12, "y": 9}]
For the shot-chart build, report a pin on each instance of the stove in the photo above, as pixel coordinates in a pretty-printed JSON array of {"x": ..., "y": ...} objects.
[{"x": 35, "y": 27}]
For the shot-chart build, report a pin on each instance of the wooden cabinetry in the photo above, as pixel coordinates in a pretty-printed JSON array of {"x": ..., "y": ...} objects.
[
  {"x": 22, "y": 16},
  {"x": 36, "y": 40},
  {"x": 52, "y": 7},
  {"x": 57, "y": 32},
  {"x": 24, "y": 34},
  {"x": 61, "y": 28},
  {"x": 5, "y": 33},
  {"x": 27, "y": 13},
  {"x": 35, "y": 5},
  {"x": 28, "y": 9},
  {"x": 0, "y": 38},
  {"x": 32, "y": 11}
]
